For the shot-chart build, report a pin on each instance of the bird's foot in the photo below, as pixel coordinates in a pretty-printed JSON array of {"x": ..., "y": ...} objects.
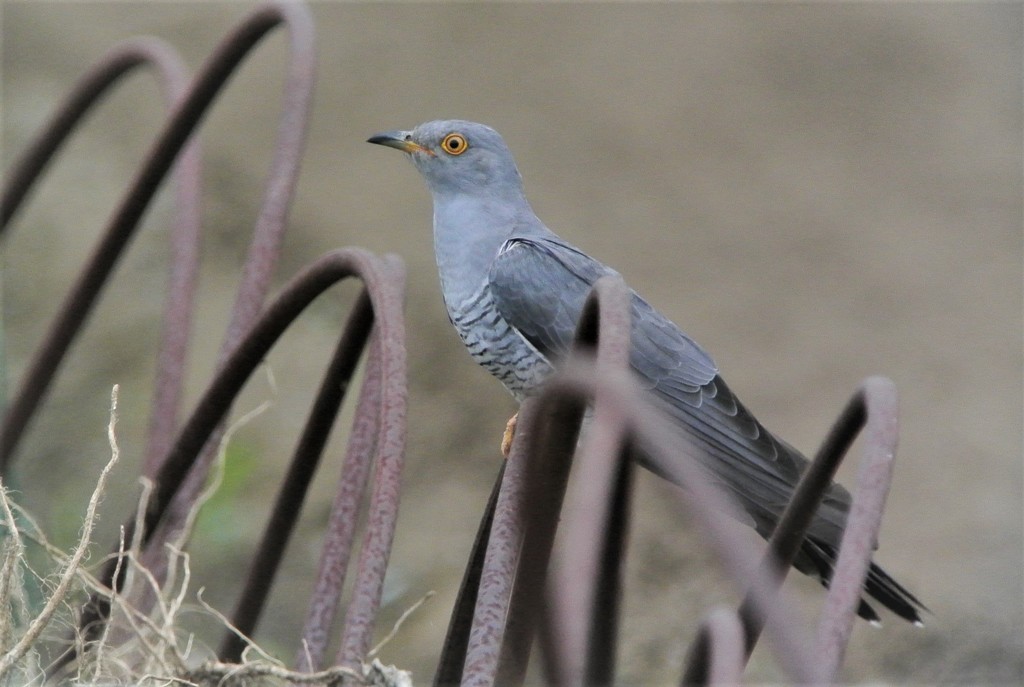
[{"x": 510, "y": 433}]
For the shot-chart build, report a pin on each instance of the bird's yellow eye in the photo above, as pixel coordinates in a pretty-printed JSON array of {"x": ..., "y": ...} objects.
[{"x": 454, "y": 144}]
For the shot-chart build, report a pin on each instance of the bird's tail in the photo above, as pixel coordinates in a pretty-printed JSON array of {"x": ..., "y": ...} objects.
[{"x": 878, "y": 585}]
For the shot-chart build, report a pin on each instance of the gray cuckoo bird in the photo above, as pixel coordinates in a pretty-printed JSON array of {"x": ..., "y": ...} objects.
[{"x": 514, "y": 290}]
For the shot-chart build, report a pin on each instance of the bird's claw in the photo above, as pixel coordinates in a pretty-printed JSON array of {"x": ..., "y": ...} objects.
[{"x": 510, "y": 433}]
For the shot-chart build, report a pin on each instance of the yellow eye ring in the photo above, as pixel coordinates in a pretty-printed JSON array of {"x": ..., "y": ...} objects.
[{"x": 454, "y": 144}]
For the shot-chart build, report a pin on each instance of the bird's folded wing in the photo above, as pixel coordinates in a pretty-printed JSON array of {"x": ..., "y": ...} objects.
[{"x": 539, "y": 286}]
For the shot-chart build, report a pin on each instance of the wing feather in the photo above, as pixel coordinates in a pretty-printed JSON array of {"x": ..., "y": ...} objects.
[{"x": 539, "y": 286}]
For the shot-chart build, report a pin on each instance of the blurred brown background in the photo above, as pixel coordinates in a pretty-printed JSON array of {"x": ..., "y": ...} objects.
[{"x": 816, "y": 193}]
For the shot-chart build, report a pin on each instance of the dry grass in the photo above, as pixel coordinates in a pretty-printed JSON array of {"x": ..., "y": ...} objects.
[{"x": 135, "y": 648}]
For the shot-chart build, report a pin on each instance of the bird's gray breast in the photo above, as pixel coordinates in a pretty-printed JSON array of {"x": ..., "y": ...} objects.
[{"x": 497, "y": 346}]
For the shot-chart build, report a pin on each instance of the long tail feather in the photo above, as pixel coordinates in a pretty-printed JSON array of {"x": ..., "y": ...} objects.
[{"x": 879, "y": 585}]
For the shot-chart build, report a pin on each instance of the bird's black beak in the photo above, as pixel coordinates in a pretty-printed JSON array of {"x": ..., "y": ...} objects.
[{"x": 400, "y": 140}]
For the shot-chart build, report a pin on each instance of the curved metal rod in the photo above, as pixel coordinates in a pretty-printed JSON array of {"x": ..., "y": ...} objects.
[
  {"x": 789, "y": 532},
  {"x": 336, "y": 552},
  {"x": 723, "y": 629},
  {"x": 526, "y": 516},
  {"x": 382, "y": 514},
  {"x": 579, "y": 631},
  {"x": 305, "y": 460},
  {"x": 215, "y": 402},
  {"x": 873, "y": 403},
  {"x": 178, "y": 319},
  {"x": 172, "y": 76},
  {"x": 456, "y": 642},
  {"x": 655, "y": 436},
  {"x": 496, "y": 646},
  {"x": 378, "y": 309},
  {"x": 120, "y": 60},
  {"x": 158, "y": 161},
  {"x": 515, "y": 564},
  {"x": 881, "y": 434},
  {"x": 270, "y": 226}
]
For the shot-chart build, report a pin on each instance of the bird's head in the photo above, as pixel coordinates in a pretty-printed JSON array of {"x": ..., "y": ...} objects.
[{"x": 457, "y": 157}]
